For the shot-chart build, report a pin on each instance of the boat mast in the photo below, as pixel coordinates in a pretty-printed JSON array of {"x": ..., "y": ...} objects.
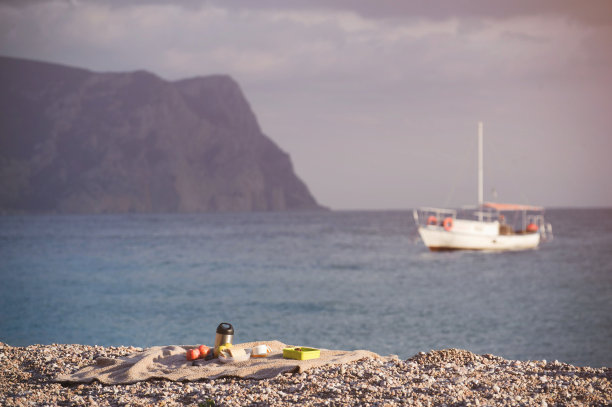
[{"x": 480, "y": 172}]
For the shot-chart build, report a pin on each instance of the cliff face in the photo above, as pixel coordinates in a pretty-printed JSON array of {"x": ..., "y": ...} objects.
[{"x": 75, "y": 141}]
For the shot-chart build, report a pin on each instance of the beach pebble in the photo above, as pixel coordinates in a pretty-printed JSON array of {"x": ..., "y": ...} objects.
[{"x": 443, "y": 377}]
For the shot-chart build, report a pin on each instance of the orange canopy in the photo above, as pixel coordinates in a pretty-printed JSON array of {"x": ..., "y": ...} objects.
[{"x": 511, "y": 207}]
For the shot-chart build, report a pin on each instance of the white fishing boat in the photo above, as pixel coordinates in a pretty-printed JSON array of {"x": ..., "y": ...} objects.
[{"x": 489, "y": 226}]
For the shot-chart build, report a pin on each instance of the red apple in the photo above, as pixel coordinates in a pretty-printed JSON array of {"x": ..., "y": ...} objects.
[
  {"x": 193, "y": 354},
  {"x": 204, "y": 351}
]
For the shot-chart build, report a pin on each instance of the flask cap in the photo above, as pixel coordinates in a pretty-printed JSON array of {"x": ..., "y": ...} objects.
[{"x": 225, "y": 328}]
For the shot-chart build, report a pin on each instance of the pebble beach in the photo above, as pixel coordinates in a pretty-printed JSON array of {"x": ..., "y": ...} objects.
[{"x": 440, "y": 377}]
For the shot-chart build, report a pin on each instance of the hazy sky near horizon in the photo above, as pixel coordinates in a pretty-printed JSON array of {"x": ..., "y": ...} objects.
[{"x": 377, "y": 102}]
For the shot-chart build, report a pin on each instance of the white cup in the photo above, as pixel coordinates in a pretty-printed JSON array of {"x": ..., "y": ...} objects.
[{"x": 260, "y": 350}]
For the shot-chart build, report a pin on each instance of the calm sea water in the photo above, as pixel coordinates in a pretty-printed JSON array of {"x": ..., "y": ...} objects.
[{"x": 339, "y": 280}]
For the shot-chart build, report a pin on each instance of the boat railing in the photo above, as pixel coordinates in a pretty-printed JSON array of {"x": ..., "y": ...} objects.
[
  {"x": 544, "y": 228},
  {"x": 422, "y": 216},
  {"x": 486, "y": 216},
  {"x": 425, "y": 215}
]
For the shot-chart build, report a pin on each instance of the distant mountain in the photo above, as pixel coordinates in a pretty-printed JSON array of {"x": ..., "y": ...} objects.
[{"x": 76, "y": 141}]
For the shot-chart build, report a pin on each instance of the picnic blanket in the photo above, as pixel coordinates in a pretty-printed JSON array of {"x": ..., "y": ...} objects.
[{"x": 169, "y": 362}]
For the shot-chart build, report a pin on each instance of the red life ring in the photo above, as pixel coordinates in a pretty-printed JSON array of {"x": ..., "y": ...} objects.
[
  {"x": 448, "y": 224},
  {"x": 432, "y": 220}
]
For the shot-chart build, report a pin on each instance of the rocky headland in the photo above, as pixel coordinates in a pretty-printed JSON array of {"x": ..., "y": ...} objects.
[
  {"x": 76, "y": 141},
  {"x": 443, "y": 377}
]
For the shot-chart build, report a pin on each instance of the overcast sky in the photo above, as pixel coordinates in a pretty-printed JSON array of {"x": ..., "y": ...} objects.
[{"x": 377, "y": 102}]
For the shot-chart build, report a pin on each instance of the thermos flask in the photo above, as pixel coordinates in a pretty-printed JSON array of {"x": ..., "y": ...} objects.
[{"x": 225, "y": 334}]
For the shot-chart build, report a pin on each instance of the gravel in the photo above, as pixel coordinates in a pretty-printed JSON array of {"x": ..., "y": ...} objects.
[{"x": 442, "y": 377}]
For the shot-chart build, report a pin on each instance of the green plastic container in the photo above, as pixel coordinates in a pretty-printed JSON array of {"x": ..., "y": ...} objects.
[{"x": 301, "y": 353}]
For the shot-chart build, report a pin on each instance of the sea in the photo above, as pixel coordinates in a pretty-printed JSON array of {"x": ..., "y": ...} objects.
[{"x": 335, "y": 280}]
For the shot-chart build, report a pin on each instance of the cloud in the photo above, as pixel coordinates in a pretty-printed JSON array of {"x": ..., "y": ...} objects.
[
  {"x": 591, "y": 12},
  {"x": 366, "y": 94}
]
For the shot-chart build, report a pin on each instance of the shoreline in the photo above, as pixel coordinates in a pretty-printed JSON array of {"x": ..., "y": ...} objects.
[{"x": 450, "y": 376}]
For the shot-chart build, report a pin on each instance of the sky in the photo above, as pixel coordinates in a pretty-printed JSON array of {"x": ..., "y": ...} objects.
[{"x": 377, "y": 102}]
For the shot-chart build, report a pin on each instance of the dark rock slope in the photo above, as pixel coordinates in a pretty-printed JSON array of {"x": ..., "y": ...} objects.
[{"x": 75, "y": 141}]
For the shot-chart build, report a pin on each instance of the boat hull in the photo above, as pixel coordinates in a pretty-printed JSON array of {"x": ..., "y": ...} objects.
[{"x": 438, "y": 239}]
